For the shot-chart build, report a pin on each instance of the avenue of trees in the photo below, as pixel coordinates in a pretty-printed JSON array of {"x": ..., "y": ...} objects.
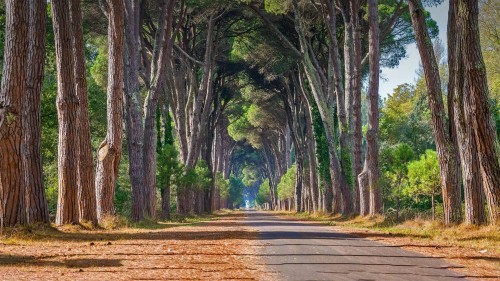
[{"x": 143, "y": 108}]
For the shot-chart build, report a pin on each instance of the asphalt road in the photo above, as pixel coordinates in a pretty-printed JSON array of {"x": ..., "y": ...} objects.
[{"x": 303, "y": 251}]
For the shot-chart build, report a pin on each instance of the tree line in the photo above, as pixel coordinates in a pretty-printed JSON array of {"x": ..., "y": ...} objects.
[{"x": 206, "y": 101}]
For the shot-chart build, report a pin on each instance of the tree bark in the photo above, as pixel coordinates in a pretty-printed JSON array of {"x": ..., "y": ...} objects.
[
  {"x": 67, "y": 109},
  {"x": 477, "y": 108},
  {"x": 471, "y": 176},
  {"x": 133, "y": 111},
  {"x": 85, "y": 163},
  {"x": 356, "y": 88},
  {"x": 444, "y": 145},
  {"x": 163, "y": 50},
  {"x": 36, "y": 202},
  {"x": 337, "y": 177},
  {"x": 372, "y": 149},
  {"x": 165, "y": 201},
  {"x": 12, "y": 96},
  {"x": 109, "y": 152}
]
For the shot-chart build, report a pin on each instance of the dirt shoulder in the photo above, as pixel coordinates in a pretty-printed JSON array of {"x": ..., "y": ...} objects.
[
  {"x": 214, "y": 250},
  {"x": 473, "y": 251}
]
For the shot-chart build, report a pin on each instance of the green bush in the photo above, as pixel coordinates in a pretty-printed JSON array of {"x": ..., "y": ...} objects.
[{"x": 286, "y": 186}]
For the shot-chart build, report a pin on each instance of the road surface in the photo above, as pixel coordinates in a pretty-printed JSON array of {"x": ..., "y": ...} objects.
[{"x": 305, "y": 251}]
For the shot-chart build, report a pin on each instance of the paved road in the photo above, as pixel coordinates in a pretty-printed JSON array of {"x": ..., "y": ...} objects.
[{"x": 303, "y": 251}]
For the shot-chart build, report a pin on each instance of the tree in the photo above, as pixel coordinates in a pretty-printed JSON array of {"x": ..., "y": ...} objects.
[
  {"x": 286, "y": 186},
  {"x": 160, "y": 59},
  {"x": 477, "y": 106},
  {"x": 85, "y": 163},
  {"x": 369, "y": 178},
  {"x": 424, "y": 177},
  {"x": 168, "y": 168},
  {"x": 36, "y": 202},
  {"x": 489, "y": 25},
  {"x": 396, "y": 168},
  {"x": 132, "y": 110},
  {"x": 405, "y": 118},
  {"x": 264, "y": 195},
  {"x": 444, "y": 144},
  {"x": 471, "y": 177},
  {"x": 109, "y": 152},
  {"x": 12, "y": 95},
  {"x": 67, "y": 110}
]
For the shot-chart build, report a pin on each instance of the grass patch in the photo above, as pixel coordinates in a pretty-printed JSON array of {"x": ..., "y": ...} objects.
[{"x": 111, "y": 228}]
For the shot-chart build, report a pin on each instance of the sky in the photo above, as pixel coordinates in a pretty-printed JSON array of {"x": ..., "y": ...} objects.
[{"x": 405, "y": 72}]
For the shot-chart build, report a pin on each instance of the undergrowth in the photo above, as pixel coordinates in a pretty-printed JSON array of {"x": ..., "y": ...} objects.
[{"x": 112, "y": 225}]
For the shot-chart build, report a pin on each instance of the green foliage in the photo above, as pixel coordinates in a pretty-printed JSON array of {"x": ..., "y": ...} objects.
[
  {"x": 286, "y": 186},
  {"x": 168, "y": 167},
  {"x": 99, "y": 70},
  {"x": 405, "y": 118},
  {"x": 250, "y": 175},
  {"x": 393, "y": 47},
  {"x": 223, "y": 185},
  {"x": 264, "y": 194},
  {"x": 236, "y": 188},
  {"x": 277, "y": 6},
  {"x": 423, "y": 175},
  {"x": 198, "y": 178},
  {"x": 394, "y": 161},
  {"x": 321, "y": 146}
]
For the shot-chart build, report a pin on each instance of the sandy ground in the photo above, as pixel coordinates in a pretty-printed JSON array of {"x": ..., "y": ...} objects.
[{"x": 218, "y": 250}]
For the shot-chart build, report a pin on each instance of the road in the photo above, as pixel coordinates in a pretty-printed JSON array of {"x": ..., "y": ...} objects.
[{"x": 305, "y": 251}]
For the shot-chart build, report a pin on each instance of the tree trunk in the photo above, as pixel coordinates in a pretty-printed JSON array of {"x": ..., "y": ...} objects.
[
  {"x": 364, "y": 192},
  {"x": 36, "y": 203},
  {"x": 433, "y": 207},
  {"x": 372, "y": 163},
  {"x": 338, "y": 178},
  {"x": 85, "y": 163},
  {"x": 12, "y": 95},
  {"x": 444, "y": 145},
  {"x": 133, "y": 112},
  {"x": 471, "y": 176},
  {"x": 477, "y": 107},
  {"x": 162, "y": 51},
  {"x": 67, "y": 109},
  {"x": 356, "y": 88},
  {"x": 109, "y": 152},
  {"x": 165, "y": 201},
  {"x": 299, "y": 207}
]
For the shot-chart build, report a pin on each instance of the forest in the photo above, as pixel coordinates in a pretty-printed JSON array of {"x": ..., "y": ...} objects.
[{"x": 149, "y": 110}]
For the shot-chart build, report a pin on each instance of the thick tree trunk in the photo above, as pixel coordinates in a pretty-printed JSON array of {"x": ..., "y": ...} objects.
[
  {"x": 36, "y": 203},
  {"x": 67, "y": 109},
  {"x": 356, "y": 88},
  {"x": 444, "y": 145},
  {"x": 477, "y": 108},
  {"x": 133, "y": 112},
  {"x": 12, "y": 95},
  {"x": 471, "y": 176},
  {"x": 371, "y": 161},
  {"x": 85, "y": 163},
  {"x": 109, "y": 152}
]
